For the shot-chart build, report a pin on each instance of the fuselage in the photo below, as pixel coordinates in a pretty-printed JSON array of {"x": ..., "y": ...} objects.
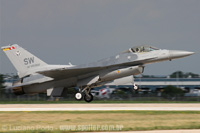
[
  {"x": 36, "y": 76},
  {"x": 128, "y": 58}
]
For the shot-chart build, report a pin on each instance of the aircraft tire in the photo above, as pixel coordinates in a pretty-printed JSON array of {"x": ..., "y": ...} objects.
[
  {"x": 135, "y": 87},
  {"x": 78, "y": 96},
  {"x": 88, "y": 99}
]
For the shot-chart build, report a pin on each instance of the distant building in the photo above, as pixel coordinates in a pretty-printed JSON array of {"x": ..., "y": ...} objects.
[{"x": 189, "y": 85}]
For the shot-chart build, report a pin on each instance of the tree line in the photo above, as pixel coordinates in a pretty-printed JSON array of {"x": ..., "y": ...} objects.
[{"x": 1, "y": 84}]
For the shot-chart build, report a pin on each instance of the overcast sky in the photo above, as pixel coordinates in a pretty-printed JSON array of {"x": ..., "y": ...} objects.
[{"x": 82, "y": 31}]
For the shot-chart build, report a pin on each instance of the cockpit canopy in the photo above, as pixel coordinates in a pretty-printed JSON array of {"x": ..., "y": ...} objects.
[{"x": 140, "y": 49}]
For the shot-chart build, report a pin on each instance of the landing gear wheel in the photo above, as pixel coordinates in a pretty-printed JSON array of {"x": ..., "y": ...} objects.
[
  {"x": 135, "y": 87},
  {"x": 88, "y": 98},
  {"x": 78, "y": 96}
]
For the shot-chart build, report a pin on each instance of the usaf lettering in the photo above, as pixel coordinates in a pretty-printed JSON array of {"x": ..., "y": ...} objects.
[{"x": 28, "y": 61}]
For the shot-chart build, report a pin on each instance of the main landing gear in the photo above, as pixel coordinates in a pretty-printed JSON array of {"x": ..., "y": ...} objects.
[
  {"x": 88, "y": 97},
  {"x": 85, "y": 93}
]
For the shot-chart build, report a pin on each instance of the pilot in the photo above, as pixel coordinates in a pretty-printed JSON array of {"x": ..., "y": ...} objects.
[{"x": 137, "y": 50}]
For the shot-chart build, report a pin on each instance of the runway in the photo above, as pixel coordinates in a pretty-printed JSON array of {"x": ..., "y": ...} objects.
[{"x": 100, "y": 107}]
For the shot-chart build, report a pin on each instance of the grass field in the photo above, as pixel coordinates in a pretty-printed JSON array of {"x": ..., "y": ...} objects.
[{"x": 66, "y": 121}]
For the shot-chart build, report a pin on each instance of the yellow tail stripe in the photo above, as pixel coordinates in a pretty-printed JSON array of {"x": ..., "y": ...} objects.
[{"x": 6, "y": 49}]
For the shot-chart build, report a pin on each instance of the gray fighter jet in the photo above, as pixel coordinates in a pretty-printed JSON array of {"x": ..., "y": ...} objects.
[{"x": 37, "y": 76}]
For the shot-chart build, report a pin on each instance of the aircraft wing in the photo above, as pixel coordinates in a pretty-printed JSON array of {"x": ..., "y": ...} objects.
[
  {"x": 68, "y": 72},
  {"x": 62, "y": 73},
  {"x": 27, "y": 84},
  {"x": 22, "y": 85}
]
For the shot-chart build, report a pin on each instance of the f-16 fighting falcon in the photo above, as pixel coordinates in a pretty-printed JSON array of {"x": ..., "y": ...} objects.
[{"x": 36, "y": 76}]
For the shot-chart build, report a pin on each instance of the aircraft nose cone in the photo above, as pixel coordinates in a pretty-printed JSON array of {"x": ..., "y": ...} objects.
[{"x": 179, "y": 54}]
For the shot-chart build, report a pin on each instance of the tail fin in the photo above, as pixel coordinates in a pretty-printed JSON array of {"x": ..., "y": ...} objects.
[{"x": 23, "y": 61}]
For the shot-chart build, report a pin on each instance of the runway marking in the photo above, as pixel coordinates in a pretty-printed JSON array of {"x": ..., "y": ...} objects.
[{"x": 99, "y": 107}]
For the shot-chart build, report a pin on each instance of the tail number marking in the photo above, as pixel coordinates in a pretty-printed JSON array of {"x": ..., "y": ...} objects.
[{"x": 28, "y": 61}]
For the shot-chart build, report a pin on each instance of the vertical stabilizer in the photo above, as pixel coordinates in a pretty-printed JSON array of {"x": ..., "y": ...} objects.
[{"x": 23, "y": 61}]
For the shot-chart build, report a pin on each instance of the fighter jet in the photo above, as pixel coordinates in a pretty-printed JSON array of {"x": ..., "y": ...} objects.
[{"x": 36, "y": 76}]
